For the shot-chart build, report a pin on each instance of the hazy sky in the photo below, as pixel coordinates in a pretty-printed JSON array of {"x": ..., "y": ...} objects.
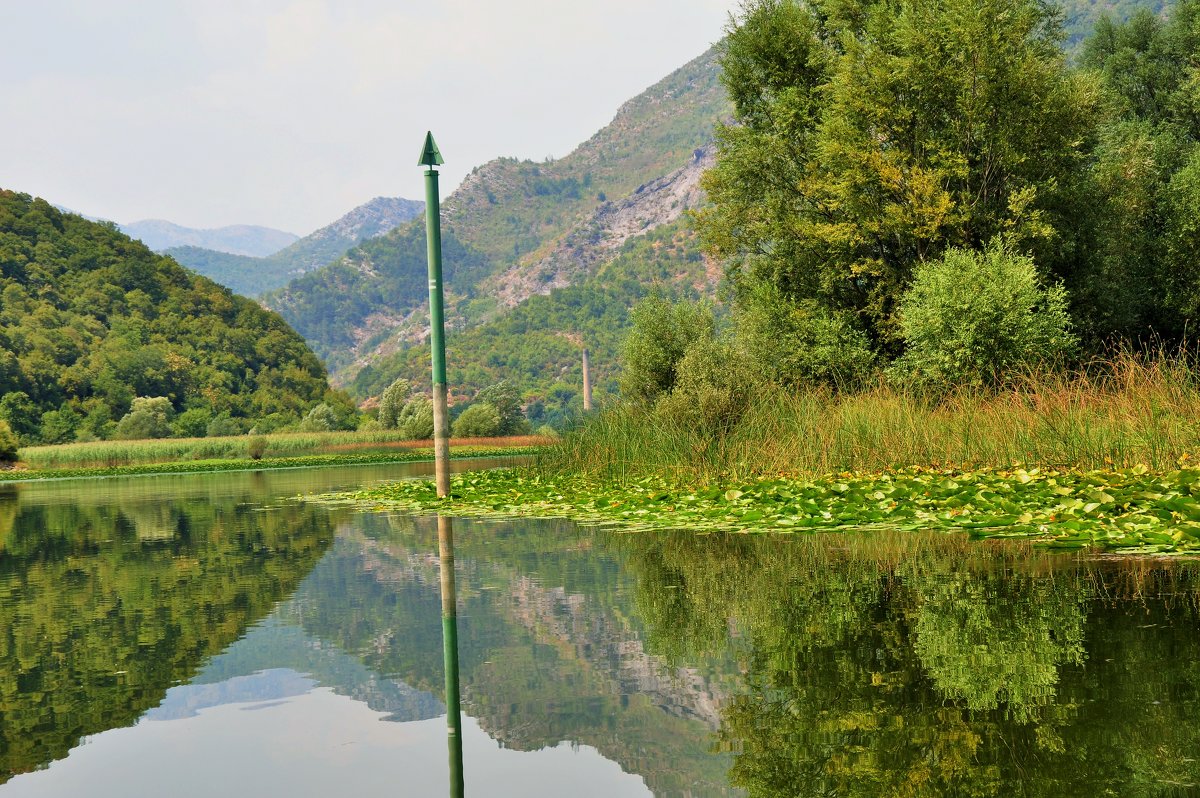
[{"x": 288, "y": 113}]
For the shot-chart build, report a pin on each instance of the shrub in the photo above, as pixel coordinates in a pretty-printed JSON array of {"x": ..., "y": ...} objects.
[
  {"x": 714, "y": 385},
  {"x": 192, "y": 423},
  {"x": 148, "y": 417},
  {"x": 480, "y": 420},
  {"x": 58, "y": 426},
  {"x": 392, "y": 402},
  {"x": 416, "y": 419},
  {"x": 224, "y": 425},
  {"x": 503, "y": 396},
  {"x": 661, "y": 333},
  {"x": 8, "y": 443},
  {"x": 320, "y": 419},
  {"x": 256, "y": 447},
  {"x": 794, "y": 344},
  {"x": 976, "y": 318}
]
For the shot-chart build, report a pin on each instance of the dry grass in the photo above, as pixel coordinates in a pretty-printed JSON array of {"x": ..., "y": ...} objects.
[
  {"x": 110, "y": 454},
  {"x": 1126, "y": 410}
]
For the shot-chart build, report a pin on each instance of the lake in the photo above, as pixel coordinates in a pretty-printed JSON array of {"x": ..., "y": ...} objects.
[{"x": 214, "y": 634}]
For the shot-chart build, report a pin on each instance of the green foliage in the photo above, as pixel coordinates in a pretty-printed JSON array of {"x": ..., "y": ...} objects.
[
  {"x": 8, "y": 443},
  {"x": 59, "y": 426},
  {"x": 503, "y": 396},
  {"x": 533, "y": 345},
  {"x": 660, "y": 335},
  {"x": 714, "y": 383},
  {"x": 980, "y": 319},
  {"x": 148, "y": 417},
  {"x": 416, "y": 419},
  {"x": 89, "y": 320},
  {"x": 800, "y": 343},
  {"x": 480, "y": 420},
  {"x": 392, "y": 402},
  {"x": 868, "y": 140},
  {"x": 320, "y": 419},
  {"x": 1132, "y": 511},
  {"x": 191, "y": 423}
]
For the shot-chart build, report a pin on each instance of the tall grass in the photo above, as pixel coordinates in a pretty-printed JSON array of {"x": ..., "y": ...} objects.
[
  {"x": 297, "y": 444},
  {"x": 1126, "y": 410}
]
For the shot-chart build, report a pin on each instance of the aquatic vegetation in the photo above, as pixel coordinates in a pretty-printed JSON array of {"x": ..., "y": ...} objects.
[{"x": 1128, "y": 511}]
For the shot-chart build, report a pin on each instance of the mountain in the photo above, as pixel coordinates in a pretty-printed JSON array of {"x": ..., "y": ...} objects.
[
  {"x": 238, "y": 239},
  {"x": 519, "y": 229},
  {"x": 1080, "y": 16},
  {"x": 255, "y": 276},
  {"x": 90, "y": 320}
]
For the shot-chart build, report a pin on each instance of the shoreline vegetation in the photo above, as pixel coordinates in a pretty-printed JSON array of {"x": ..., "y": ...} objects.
[
  {"x": 242, "y": 453},
  {"x": 1098, "y": 458}
]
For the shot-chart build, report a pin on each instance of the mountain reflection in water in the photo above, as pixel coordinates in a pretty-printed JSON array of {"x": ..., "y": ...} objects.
[{"x": 146, "y": 617}]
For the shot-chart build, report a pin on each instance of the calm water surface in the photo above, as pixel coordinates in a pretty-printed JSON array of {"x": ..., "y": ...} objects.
[{"x": 213, "y": 635}]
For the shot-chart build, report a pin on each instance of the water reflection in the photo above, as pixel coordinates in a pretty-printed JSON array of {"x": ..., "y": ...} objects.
[
  {"x": 302, "y": 648},
  {"x": 450, "y": 652},
  {"x": 926, "y": 666}
]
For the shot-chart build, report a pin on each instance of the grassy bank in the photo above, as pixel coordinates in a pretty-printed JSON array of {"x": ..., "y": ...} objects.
[
  {"x": 115, "y": 454},
  {"x": 1119, "y": 414},
  {"x": 412, "y": 455}
]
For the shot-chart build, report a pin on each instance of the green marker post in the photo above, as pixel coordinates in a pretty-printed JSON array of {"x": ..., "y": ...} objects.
[{"x": 430, "y": 158}]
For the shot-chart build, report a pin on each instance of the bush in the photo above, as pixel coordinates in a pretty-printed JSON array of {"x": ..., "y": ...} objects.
[
  {"x": 976, "y": 318},
  {"x": 416, "y": 419},
  {"x": 192, "y": 423},
  {"x": 661, "y": 333},
  {"x": 58, "y": 426},
  {"x": 480, "y": 420},
  {"x": 256, "y": 448},
  {"x": 224, "y": 425},
  {"x": 794, "y": 344},
  {"x": 320, "y": 419},
  {"x": 392, "y": 402},
  {"x": 8, "y": 443},
  {"x": 503, "y": 396},
  {"x": 148, "y": 417},
  {"x": 714, "y": 385}
]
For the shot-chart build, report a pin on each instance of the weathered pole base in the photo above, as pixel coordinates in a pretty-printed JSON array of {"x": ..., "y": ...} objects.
[{"x": 441, "y": 439}]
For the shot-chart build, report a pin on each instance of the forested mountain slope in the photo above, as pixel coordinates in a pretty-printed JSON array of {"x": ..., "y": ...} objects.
[
  {"x": 90, "y": 319},
  {"x": 516, "y": 229},
  {"x": 255, "y": 276}
]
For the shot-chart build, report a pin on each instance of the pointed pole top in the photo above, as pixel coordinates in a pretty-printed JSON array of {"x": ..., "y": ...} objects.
[{"x": 431, "y": 156}]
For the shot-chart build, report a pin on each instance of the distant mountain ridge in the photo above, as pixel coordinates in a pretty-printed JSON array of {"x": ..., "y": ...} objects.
[
  {"x": 253, "y": 276},
  {"x": 239, "y": 239},
  {"x": 520, "y": 229}
]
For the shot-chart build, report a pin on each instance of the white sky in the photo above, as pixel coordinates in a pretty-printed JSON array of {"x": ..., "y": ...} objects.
[{"x": 288, "y": 113}]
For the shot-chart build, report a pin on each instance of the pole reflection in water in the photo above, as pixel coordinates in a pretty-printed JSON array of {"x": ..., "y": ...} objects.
[{"x": 450, "y": 653}]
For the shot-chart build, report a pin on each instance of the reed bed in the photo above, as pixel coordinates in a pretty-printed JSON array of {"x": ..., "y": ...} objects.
[
  {"x": 111, "y": 454},
  {"x": 1127, "y": 410}
]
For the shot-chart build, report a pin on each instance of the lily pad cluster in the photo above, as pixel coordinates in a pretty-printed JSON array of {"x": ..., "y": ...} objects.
[{"x": 1128, "y": 511}]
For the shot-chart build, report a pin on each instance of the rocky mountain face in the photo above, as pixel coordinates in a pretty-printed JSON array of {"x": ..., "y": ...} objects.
[
  {"x": 238, "y": 239},
  {"x": 258, "y": 275},
  {"x": 524, "y": 229}
]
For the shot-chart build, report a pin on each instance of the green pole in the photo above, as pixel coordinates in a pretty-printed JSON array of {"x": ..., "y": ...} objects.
[
  {"x": 450, "y": 653},
  {"x": 431, "y": 157}
]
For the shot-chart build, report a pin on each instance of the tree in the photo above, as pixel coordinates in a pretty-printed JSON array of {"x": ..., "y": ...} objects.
[
  {"x": 661, "y": 333},
  {"x": 975, "y": 318},
  {"x": 392, "y": 402},
  {"x": 416, "y": 419},
  {"x": 8, "y": 443},
  {"x": 480, "y": 420},
  {"x": 869, "y": 139},
  {"x": 320, "y": 419},
  {"x": 148, "y": 417},
  {"x": 505, "y": 398}
]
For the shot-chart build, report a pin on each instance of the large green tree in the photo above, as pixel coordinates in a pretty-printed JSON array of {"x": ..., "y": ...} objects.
[{"x": 869, "y": 137}]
